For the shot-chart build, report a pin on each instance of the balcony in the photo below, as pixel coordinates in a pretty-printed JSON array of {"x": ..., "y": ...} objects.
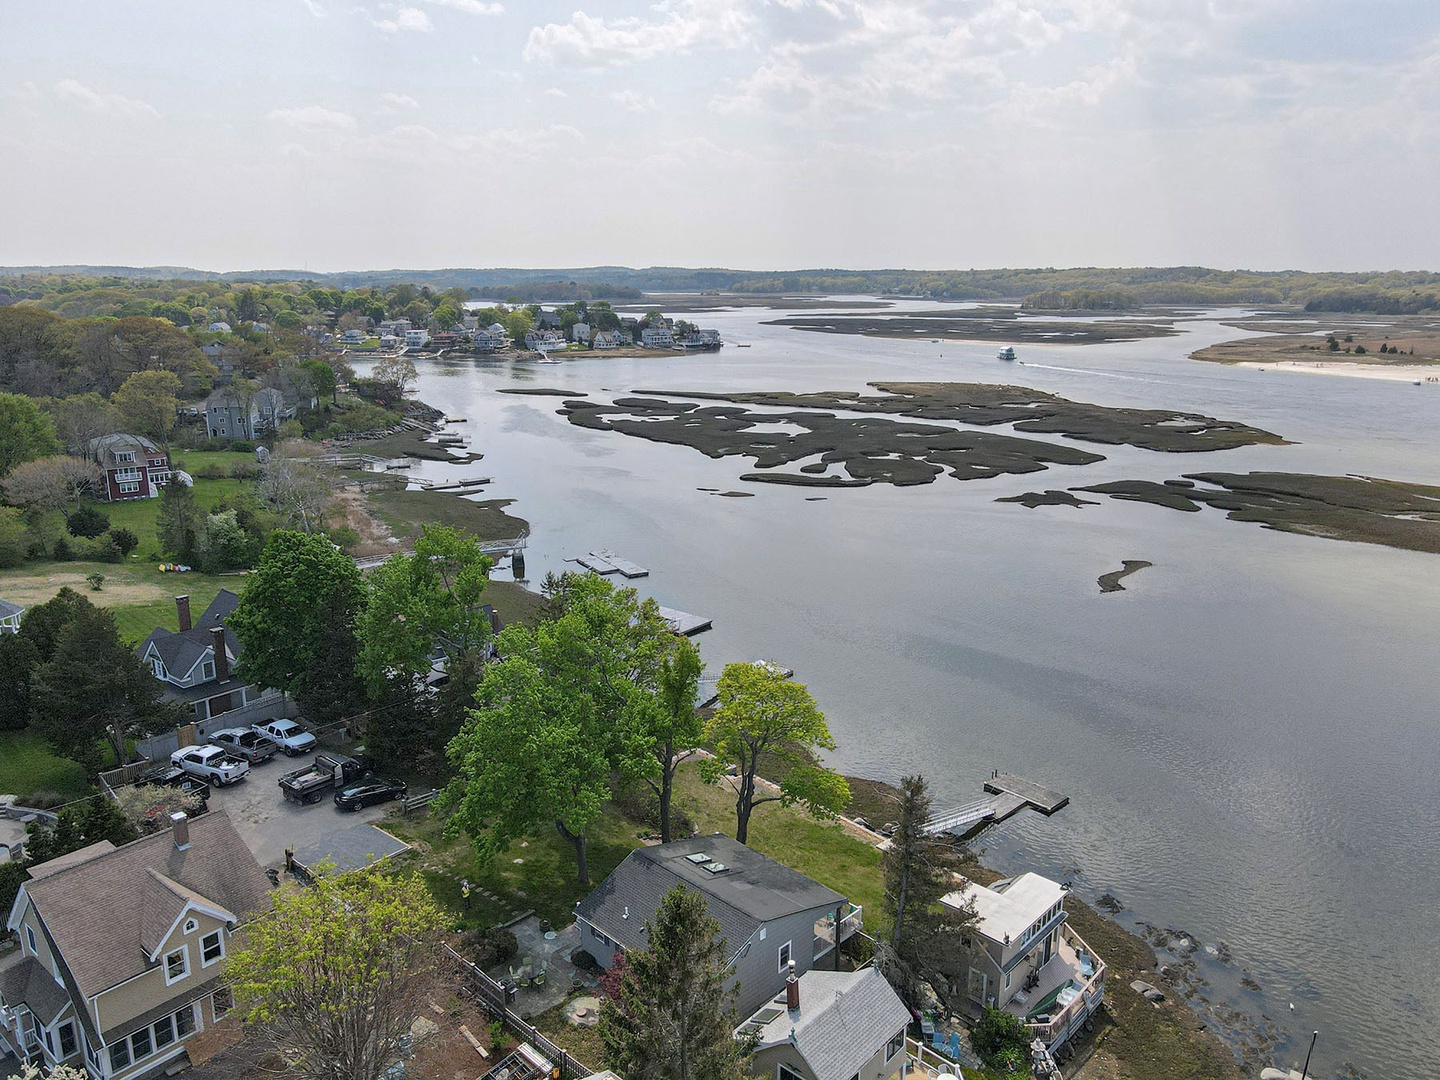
[
  {"x": 1063, "y": 993},
  {"x": 850, "y": 924}
]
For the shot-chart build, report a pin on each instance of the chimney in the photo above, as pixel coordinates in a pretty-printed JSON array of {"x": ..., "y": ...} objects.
[
  {"x": 180, "y": 830},
  {"x": 222, "y": 660},
  {"x": 792, "y": 989},
  {"x": 182, "y": 608}
]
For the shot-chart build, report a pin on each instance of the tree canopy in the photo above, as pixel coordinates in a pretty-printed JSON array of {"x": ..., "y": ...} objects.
[
  {"x": 672, "y": 1017},
  {"x": 763, "y": 716},
  {"x": 302, "y": 591},
  {"x": 338, "y": 973},
  {"x": 25, "y": 432},
  {"x": 146, "y": 403}
]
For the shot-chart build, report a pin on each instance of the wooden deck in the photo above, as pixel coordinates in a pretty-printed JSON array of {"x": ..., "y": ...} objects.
[
  {"x": 1008, "y": 796},
  {"x": 1027, "y": 791},
  {"x": 683, "y": 623}
]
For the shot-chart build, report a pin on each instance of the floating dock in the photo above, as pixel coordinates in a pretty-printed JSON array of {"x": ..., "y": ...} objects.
[
  {"x": 683, "y": 623},
  {"x": 1008, "y": 796},
  {"x": 607, "y": 562},
  {"x": 707, "y": 690}
]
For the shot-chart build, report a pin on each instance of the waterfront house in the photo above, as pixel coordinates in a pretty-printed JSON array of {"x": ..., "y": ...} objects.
[
  {"x": 769, "y": 914},
  {"x": 606, "y": 339},
  {"x": 122, "y": 950},
  {"x": 237, "y": 414},
  {"x": 830, "y": 1025},
  {"x": 134, "y": 466},
  {"x": 1026, "y": 960},
  {"x": 657, "y": 337},
  {"x": 417, "y": 339},
  {"x": 580, "y": 332},
  {"x": 195, "y": 665},
  {"x": 10, "y": 616},
  {"x": 544, "y": 340},
  {"x": 491, "y": 339},
  {"x": 352, "y": 337}
]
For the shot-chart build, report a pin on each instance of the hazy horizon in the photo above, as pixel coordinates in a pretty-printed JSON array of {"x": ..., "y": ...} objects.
[{"x": 767, "y": 134}]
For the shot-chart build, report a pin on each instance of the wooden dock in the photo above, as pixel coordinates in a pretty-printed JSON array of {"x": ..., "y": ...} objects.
[
  {"x": 1008, "y": 796},
  {"x": 607, "y": 562},
  {"x": 683, "y": 623}
]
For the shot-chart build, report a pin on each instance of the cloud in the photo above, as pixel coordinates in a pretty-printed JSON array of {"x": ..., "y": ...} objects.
[
  {"x": 26, "y": 92},
  {"x": 314, "y": 117},
  {"x": 632, "y": 102},
  {"x": 314, "y": 8},
  {"x": 73, "y": 92},
  {"x": 683, "y": 25},
  {"x": 406, "y": 19},
  {"x": 394, "y": 103},
  {"x": 472, "y": 7}
]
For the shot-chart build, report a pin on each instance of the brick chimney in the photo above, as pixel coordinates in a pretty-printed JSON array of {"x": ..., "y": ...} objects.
[
  {"x": 180, "y": 830},
  {"x": 792, "y": 990},
  {"x": 182, "y": 609},
  {"x": 222, "y": 661}
]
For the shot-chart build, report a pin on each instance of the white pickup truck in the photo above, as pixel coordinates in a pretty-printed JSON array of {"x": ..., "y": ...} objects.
[
  {"x": 288, "y": 735},
  {"x": 210, "y": 763}
]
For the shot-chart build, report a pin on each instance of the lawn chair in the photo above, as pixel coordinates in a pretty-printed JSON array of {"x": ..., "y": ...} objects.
[
  {"x": 937, "y": 1040},
  {"x": 953, "y": 1049},
  {"x": 538, "y": 979}
]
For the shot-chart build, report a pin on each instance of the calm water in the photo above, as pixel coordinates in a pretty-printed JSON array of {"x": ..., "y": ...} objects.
[{"x": 1248, "y": 733}]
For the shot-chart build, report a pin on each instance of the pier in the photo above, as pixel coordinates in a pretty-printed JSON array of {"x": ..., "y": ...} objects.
[
  {"x": 607, "y": 562},
  {"x": 683, "y": 623},
  {"x": 1008, "y": 796}
]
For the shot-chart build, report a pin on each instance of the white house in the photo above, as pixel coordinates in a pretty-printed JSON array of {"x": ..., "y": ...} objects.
[
  {"x": 580, "y": 332},
  {"x": 606, "y": 339},
  {"x": 10, "y": 616},
  {"x": 1026, "y": 961},
  {"x": 657, "y": 337},
  {"x": 417, "y": 339}
]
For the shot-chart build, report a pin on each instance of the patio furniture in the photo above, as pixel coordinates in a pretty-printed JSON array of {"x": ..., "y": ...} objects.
[
  {"x": 953, "y": 1048},
  {"x": 937, "y": 1040},
  {"x": 538, "y": 979}
]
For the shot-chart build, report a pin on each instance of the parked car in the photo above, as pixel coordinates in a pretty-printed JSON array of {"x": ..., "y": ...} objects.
[
  {"x": 369, "y": 792},
  {"x": 326, "y": 773},
  {"x": 288, "y": 735},
  {"x": 210, "y": 763},
  {"x": 245, "y": 743}
]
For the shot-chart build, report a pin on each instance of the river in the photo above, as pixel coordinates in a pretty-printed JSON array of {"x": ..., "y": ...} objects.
[{"x": 1248, "y": 733}]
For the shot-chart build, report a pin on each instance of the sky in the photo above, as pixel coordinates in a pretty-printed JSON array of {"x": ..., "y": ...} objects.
[{"x": 753, "y": 134}]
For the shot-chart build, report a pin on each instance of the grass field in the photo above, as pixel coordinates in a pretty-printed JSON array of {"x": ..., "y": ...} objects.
[{"x": 28, "y": 766}]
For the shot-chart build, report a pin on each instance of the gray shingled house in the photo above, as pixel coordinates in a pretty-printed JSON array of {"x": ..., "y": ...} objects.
[
  {"x": 830, "y": 1025},
  {"x": 768, "y": 913},
  {"x": 122, "y": 949}
]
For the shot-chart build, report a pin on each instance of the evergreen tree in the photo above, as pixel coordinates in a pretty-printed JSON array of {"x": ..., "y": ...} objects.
[
  {"x": 672, "y": 1018},
  {"x": 180, "y": 519}
]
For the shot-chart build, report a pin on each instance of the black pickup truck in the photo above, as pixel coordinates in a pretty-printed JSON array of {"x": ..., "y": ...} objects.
[{"x": 326, "y": 773}]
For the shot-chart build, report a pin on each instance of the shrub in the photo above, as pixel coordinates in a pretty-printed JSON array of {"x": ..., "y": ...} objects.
[
  {"x": 124, "y": 539},
  {"x": 344, "y": 537},
  {"x": 998, "y": 1037},
  {"x": 87, "y": 522},
  {"x": 96, "y": 581},
  {"x": 584, "y": 961},
  {"x": 42, "y": 800},
  {"x": 487, "y": 948},
  {"x": 240, "y": 446},
  {"x": 60, "y": 550}
]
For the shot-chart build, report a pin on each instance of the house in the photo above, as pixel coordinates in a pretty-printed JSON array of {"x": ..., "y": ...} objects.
[
  {"x": 580, "y": 332},
  {"x": 768, "y": 913},
  {"x": 233, "y": 414},
  {"x": 352, "y": 337},
  {"x": 10, "y": 616},
  {"x": 606, "y": 339},
  {"x": 219, "y": 328},
  {"x": 1026, "y": 960},
  {"x": 416, "y": 339},
  {"x": 134, "y": 467},
  {"x": 544, "y": 340},
  {"x": 548, "y": 319},
  {"x": 491, "y": 339},
  {"x": 830, "y": 1025},
  {"x": 194, "y": 664},
  {"x": 122, "y": 949},
  {"x": 657, "y": 337}
]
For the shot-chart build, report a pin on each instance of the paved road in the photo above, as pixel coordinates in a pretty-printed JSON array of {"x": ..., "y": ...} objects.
[{"x": 269, "y": 824}]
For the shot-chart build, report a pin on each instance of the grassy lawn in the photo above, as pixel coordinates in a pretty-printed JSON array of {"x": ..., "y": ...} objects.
[
  {"x": 140, "y": 516},
  {"x": 27, "y": 766}
]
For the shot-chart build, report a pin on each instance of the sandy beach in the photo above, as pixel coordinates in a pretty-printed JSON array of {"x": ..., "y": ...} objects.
[{"x": 1426, "y": 374}]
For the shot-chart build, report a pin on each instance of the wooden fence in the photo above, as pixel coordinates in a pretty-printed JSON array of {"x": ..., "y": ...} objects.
[{"x": 491, "y": 997}]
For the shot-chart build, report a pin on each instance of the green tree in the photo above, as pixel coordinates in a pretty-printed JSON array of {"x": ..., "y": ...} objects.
[
  {"x": 765, "y": 718},
  {"x": 87, "y": 521},
  {"x": 422, "y": 601},
  {"x": 322, "y": 378},
  {"x": 25, "y": 432},
  {"x": 672, "y": 1018},
  {"x": 518, "y": 323},
  {"x": 999, "y": 1038},
  {"x": 925, "y": 939},
  {"x": 146, "y": 403},
  {"x": 16, "y": 538},
  {"x": 42, "y": 624},
  {"x": 396, "y": 370},
  {"x": 672, "y": 728},
  {"x": 18, "y": 660},
  {"x": 338, "y": 973},
  {"x": 93, "y": 688},
  {"x": 179, "y": 522},
  {"x": 556, "y": 717},
  {"x": 301, "y": 592}
]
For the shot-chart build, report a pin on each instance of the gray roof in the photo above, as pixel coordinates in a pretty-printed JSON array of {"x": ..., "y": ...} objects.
[
  {"x": 28, "y": 982},
  {"x": 104, "y": 449},
  {"x": 181, "y": 650},
  {"x": 753, "y": 889},
  {"x": 845, "y": 1018},
  {"x": 101, "y": 914},
  {"x": 8, "y": 609}
]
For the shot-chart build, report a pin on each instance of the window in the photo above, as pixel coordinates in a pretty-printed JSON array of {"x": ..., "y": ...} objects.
[
  {"x": 191, "y": 926},
  {"x": 158, "y": 667},
  {"x": 129, "y": 489},
  {"x": 895, "y": 1045},
  {"x": 30, "y": 938},
  {"x": 125, "y": 455},
  {"x": 207, "y": 671},
  {"x": 67, "y": 1039},
  {"x": 140, "y": 1044},
  {"x": 786, "y": 1074},
  {"x": 164, "y": 1032},
  {"x": 119, "y": 1056},
  {"x": 177, "y": 965},
  {"x": 211, "y": 949},
  {"x": 784, "y": 956},
  {"x": 221, "y": 1002}
]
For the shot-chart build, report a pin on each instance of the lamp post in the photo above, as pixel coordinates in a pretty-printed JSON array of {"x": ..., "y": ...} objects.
[{"x": 1305, "y": 1069}]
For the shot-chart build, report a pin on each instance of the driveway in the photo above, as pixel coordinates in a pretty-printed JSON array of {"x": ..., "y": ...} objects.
[{"x": 269, "y": 824}]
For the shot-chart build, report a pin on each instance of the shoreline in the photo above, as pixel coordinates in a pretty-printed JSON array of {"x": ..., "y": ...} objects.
[{"x": 1349, "y": 369}]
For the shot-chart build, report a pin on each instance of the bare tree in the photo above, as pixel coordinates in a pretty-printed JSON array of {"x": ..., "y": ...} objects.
[
  {"x": 52, "y": 483},
  {"x": 296, "y": 486}
]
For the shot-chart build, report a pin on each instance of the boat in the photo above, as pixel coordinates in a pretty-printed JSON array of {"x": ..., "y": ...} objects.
[{"x": 1007, "y": 353}]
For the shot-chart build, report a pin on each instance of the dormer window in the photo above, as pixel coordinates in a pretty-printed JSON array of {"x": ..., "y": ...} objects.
[
  {"x": 125, "y": 455},
  {"x": 177, "y": 965},
  {"x": 207, "y": 670},
  {"x": 191, "y": 926}
]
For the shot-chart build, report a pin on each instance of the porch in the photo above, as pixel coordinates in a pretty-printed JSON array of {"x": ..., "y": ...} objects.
[
  {"x": 825, "y": 930},
  {"x": 1057, "y": 998}
]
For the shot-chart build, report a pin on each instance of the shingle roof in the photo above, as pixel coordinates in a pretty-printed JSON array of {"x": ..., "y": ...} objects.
[
  {"x": 104, "y": 449},
  {"x": 7, "y": 609},
  {"x": 181, "y": 651},
  {"x": 845, "y": 1018},
  {"x": 96, "y": 912},
  {"x": 27, "y": 981},
  {"x": 753, "y": 889}
]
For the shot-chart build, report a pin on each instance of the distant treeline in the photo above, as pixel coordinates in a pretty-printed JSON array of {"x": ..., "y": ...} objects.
[
  {"x": 554, "y": 292},
  {"x": 90, "y": 291}
]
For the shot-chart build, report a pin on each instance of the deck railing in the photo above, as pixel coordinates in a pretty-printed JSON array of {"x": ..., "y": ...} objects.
[{"x": 1063, "y": 1024}]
